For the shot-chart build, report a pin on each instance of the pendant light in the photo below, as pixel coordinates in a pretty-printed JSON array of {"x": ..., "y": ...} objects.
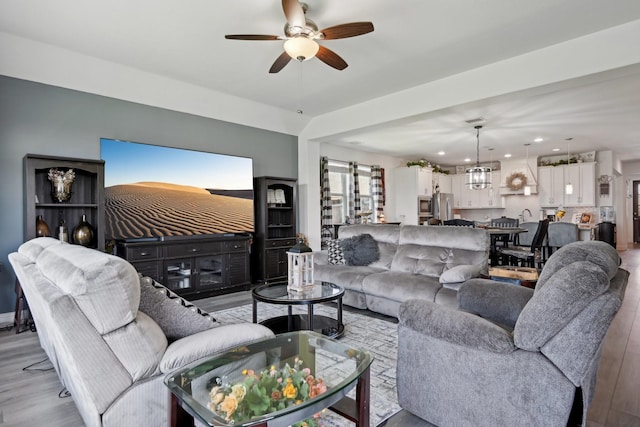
[
  {"x": 568, "y": 189},
  {"x": 478, "y": 178}
]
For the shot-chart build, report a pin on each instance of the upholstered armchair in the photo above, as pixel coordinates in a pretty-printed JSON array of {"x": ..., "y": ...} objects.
[
  {"x": 111, "y": 335},
  {"x": 512, "y": 355}
]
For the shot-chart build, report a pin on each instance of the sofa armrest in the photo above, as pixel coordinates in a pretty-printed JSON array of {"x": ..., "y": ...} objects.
[
  {"x": 210, "y": 342},
  {"x": 497, "y": 301},
  {"x": 454, "y": 326}
]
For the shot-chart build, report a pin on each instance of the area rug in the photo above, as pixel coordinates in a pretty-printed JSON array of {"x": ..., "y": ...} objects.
[{"x": 377, "y": 336}]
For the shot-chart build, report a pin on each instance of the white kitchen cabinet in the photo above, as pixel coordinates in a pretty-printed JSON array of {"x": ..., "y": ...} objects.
[
  {"x": 553, "y": 179},
  {"x": 551, "y": 186},
  {"x": 582, "y": 177},
  {"x": 442, "y": 182},
  {"x": 465, "y": 198},
  {"x": 411, "y": 183},
  {"x": 491, "y": 198}
]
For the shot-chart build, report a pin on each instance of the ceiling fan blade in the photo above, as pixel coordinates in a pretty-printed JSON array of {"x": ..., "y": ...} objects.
[
  {"x": 331, "y": 58},
  {"x": 351, "y": 29},
  {"x": 280, "y": 62},
  {"x": 251, "y": 37},
  {"x": 294, "y": 13}
]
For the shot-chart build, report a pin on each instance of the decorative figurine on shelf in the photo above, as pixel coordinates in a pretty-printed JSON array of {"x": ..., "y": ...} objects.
[
  {"x": 84, "y": 233},
  {"x": 63, "y": 233},
  {"x": 42, "y": 228},
  {"x": 300, "y": 261},
  {"x": 61, "y": 184}
]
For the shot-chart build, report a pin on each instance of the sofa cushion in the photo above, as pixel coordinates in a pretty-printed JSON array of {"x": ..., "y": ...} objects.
[
  {"x": 139, "y": 346},
  {"x": 176, "y": 316},
  {"x": 460, "y": 273},
  {"x": 552, "y": 307},
  {"x": 432, "y": 250},
  {"x": 400, "y": 287},
  {"x": 34, "y": 247},
  {"x": 420, "y": 259},
  {"x": 349, "y": 277},
  {"x": 105, "y": 287},
  {"x": 335, "y": 255},
  {"x": 360, "y": 250},
  {"x": 381, "y": 232}
]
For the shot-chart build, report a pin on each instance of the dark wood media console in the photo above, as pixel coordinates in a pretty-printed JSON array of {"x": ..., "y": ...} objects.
[{"x": 192, "y": 266}]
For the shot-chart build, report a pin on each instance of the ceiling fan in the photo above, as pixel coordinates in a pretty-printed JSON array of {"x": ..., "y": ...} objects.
[{"x": 301, "y": 34}]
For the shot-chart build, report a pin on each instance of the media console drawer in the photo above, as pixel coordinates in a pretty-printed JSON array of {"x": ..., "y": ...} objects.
[
  {"x": 193, "y": 248},
  {"x": 138, "y": 253}
]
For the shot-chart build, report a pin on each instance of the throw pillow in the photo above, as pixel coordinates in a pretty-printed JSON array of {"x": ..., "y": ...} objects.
[
  {"x": 460, "y": 273},
  {"x": 335, "y": 255},
  {"x": 176, "y": 316},
  {"x": 360, "y": 250}
]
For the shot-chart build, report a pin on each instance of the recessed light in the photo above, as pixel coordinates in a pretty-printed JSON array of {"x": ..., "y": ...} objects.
[
  {"x": 556, "y": 149},
  {"x": 440, "y": 153},
  {"x": 538, "y": 139},
  {"x": 507, "y": 155},
  {"x": 467, "y": 160}
]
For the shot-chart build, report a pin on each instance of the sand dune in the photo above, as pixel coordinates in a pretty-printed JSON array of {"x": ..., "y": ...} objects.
[{"x": 161, "y": 209}]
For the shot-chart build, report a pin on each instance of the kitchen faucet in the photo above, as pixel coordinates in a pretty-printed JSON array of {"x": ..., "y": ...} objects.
[{"x": 523, "y": 211}]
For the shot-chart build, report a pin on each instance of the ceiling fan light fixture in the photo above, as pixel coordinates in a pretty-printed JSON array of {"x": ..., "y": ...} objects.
[{"x": 301, "y": 48}]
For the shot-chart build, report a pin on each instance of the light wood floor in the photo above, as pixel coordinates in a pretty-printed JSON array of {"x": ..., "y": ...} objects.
[{"x": 30, "y": 398}]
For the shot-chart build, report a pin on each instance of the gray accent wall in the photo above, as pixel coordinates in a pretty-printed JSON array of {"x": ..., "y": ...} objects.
[{"x": 41, "y": 119}]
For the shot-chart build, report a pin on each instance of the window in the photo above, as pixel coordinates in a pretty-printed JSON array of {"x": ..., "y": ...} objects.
[{"x": 339, "y": 180}]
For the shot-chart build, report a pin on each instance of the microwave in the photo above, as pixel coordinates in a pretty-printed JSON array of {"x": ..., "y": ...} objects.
[{"x": 425, "y": 206}]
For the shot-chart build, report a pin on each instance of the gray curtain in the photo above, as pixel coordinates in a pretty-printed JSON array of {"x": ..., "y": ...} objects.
[
  {"x": 377, "y": 192},
  {"x": 354, "y": 191},
  {"x": 326, "y": 221}
]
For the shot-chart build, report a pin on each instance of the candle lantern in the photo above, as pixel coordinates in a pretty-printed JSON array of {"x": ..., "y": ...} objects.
[{"x": 300, "y": 261}]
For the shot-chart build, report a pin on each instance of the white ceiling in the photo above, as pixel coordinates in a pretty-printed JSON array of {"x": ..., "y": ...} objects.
[{"x": 414, "y": 42}]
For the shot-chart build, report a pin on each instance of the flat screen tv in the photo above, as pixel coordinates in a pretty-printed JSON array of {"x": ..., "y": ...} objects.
[{"x": 158, "y": 192}]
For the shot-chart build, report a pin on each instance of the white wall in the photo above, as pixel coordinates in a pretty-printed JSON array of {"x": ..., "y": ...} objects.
[{"x": 631, "y": 172}]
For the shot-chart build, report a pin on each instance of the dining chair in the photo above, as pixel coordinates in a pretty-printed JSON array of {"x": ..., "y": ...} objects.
[
  {"x": 460, "y": 222},
  {"x": 560, "y": 234},
  {"x": 503, "y": 222},
  {"x": 531, "y": 255}
]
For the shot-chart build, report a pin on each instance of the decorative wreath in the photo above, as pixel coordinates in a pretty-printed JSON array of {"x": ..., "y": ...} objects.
[{"x": 516, "y": 181}]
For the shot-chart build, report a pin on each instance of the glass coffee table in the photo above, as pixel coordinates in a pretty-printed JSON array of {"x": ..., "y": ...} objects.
[
  {"x": 335, "y": 367},
  {"x": 320, "y": 292}
]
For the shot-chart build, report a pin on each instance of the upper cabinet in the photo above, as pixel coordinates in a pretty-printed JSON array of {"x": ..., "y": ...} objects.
[
  {"x": 465, "y": 198},
  {"x": 551, "y": 186},
  {"x": 553, "y": 179},
  {"x": 415, "y": 180},
  {"x": 582, "y": 177},
  {"x": 442, "y": 183}
]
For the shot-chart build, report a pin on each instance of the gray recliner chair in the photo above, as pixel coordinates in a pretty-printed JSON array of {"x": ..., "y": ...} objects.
[{"x": 511, "y": 355}]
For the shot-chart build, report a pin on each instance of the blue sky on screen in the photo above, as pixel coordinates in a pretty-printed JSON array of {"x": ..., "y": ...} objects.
[{"x": 128, "y": 162}]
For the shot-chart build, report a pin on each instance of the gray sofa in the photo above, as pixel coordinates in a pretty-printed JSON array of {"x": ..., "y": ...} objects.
[
  {"x": 109, "y": 354},
  {"x": 426, "y": 262},
  {"x": 510, "y": 355}
]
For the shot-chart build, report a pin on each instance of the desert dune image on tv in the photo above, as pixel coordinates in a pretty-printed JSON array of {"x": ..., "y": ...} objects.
[{"x": 153, "y": 191}]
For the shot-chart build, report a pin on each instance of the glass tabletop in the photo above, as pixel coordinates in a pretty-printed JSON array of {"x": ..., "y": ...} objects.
[
  {"x": 279, "y": 294},
  {"x": 269, "y": 380}
]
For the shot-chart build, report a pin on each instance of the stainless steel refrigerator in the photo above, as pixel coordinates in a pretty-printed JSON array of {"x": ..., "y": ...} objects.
[{"x": 442, "y": 206}]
